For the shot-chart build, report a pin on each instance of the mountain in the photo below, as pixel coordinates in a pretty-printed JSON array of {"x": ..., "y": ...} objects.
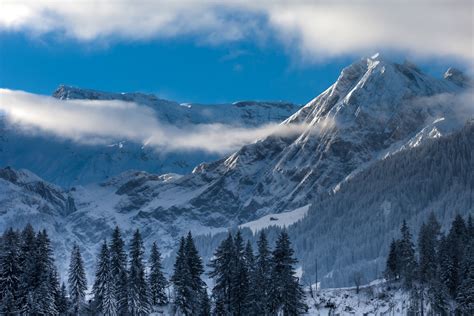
[
  {"x": 68, "y": 163},
  {"x": 354, "y": 226},
  {"x": 374, "y": 110}
]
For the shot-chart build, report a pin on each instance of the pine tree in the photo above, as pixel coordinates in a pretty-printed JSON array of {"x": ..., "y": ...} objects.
[
  {"x": 286, "y": 294},
  {"x": 55, "y": 289},
  {"x": 10, "y": 272},
  {"x": 222, "y": 265},
  {"x": 28, "y": 280},
  {"x": 427, "y": 248},
  {"x": 77, "y": 281},
  {"x": 392, "y": 270},
  {"x": 196, "y": 269},
  {"x": 240, "y": 280},
  {"x": 451, "y": 256},
  {"x": 137, "y": 286},
  {"x": 181, "y": 280},
  {"x": 43, "y": 298},
  {"x": 261, "y": 279},
  {"x": 118, "y": 267},
  {"x": 103, "y": 288},
  {"x": 406, "y": 251},
  {"x": 156, "y": 279},
  {"x": 63, "y": 304},
  {"x": 205, "y": 305},
  {"x": 465, "y": 293}
]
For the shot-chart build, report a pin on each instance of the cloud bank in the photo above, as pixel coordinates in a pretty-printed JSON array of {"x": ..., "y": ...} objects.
[
  {"x": 316, "y": 29},
  {"x": 104, "y": 122}
]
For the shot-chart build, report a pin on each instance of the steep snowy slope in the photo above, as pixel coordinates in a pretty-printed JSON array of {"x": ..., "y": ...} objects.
[
  {"x": 350, "y": 230},
  {"x": 68, "y": 163},
  {"x": 375, "y": 108}
]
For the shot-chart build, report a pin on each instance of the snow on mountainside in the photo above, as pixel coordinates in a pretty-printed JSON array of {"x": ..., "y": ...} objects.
[
  {"x": 375, "y": 108},
  {"x": 67, "y": 163}
]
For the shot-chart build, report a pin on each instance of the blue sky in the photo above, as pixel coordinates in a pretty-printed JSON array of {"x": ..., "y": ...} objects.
[
  {"x": 195, "y": 51},
  {"x": 177, "y": 69}
]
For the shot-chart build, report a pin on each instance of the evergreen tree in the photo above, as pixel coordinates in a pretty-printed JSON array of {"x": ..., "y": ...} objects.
[
  {"x": 427, "y": 248},
  {"x": 77, "y": 281},
  {"x": 156, "y": 279},
  {"x": 205, "y": 305},
  {"x": 406, "y": 252},
  {"x": 181, "y": 280},
  {"x": 451, "y": 256},
  {"x": 286, "y": 294},
  {"x": 43, "y": 298},
  {"x": 103, "y": 288},
  {"x": 137, "y": 287},
  {"x": 465, "y": 293},
  {"x": 249, "y": 258},
  {"x": 196, "y": 269},
  {"x": 261, "y": 279},
  {"x": 240, "y": 279},
  {"x": 28, "y": 279},
  {"x": 392, "y": 270},
  {"x": 222, "y": 265},
  {"x": 56, "y": 289},
  {"x": 118, "y": 267},
  {"x": 10, "y": 272},
  {"x": 63, "y": 304}
]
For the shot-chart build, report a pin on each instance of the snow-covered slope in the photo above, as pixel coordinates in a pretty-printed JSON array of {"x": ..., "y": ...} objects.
[
  {"x": 67, "y": 163},
  {"x": 374, "y": 109}
]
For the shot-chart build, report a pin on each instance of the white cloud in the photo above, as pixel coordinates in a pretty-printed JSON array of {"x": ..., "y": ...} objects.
[
  {"x": 103, "y": 122},
  {"x": 317, "y": 29}
]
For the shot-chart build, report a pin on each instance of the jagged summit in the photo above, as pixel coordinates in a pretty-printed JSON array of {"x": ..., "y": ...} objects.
[{"x": 458, "y": 77}]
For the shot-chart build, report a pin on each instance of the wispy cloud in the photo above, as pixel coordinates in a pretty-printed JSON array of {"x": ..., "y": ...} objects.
[
  {"x": 103, "y": 122},
  {"x": 316, "y": 29}
]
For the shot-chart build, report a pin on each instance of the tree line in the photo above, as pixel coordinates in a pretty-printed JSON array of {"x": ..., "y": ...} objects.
[
  {"x": 126, "y": 283},
  {"x": 439, "y": 271}
]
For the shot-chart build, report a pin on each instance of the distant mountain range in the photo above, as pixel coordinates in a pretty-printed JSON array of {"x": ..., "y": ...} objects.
[
  {"x": 374, "y": 110},
  {"x": 68, "y": 163}
]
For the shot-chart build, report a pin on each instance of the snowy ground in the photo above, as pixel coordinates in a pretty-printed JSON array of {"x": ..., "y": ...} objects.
[
  {"x": 373, "y": 299},
  {"x": 283, "y": 219}
]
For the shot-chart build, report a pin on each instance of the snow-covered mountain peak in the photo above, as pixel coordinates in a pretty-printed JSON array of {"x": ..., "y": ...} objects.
[{"x": 458, "y": 77}]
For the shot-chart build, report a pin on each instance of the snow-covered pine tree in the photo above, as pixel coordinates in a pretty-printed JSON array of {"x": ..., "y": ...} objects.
[
  {"x": 55, "y": 288},
  {"x": 465, "y": 293},
  {"x": 156, "y": 279},
  {"x": 240, "y": 279},
  {"x": 28, "y": 264},
  {"x": 406, "y": 251},
  {"x": 138, "y": 303},
  {"x": 103, "y": 288},
  {"x": 286, "y": 294},
  {"x": 118, "y": 267},
  {"x": 205, "y": 305},
  {"x": 451, "y": 255},
  {"x": 77, "y": 281},
  {"x": 222, "y": 265},
  {"x": 63, "y": 304},
  {"x": 10, "y": 273},
  {"x": 196, "y": 269},
  {"x": 43, "y": 300},
  {"x": 249, "y": 258},
  {"x": 392, "y": 270},
  {"x": 428, "y": 239},
  {"x": 181, "y": 280},
  {"x": 261, "y": 279}
]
